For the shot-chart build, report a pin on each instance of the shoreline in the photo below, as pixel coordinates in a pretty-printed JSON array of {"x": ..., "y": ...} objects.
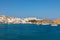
[
  {"x": 32, "y": 24},
  {"x": 16, "y": 20}
]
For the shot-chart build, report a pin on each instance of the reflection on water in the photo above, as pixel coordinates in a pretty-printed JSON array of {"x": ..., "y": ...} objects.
[{"x": 29, "y": 32}]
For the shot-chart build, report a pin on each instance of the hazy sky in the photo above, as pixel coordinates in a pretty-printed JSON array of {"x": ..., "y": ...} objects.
[{"x": 30, "y": 8}]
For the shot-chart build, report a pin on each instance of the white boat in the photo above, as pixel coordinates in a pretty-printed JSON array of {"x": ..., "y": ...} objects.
[
  {"x": 54, "y": 24},
  {"x": 45, "y": 23},
  {"x": 38, "y": 24}
]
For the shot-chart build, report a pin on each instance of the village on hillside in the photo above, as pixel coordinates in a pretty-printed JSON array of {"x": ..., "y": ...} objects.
[{"x": 16, "y": 20}]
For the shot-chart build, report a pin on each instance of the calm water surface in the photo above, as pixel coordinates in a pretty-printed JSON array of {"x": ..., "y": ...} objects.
[{"x": 29, "y": 32}]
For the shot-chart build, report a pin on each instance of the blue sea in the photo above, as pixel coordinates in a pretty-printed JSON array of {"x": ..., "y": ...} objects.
[{"x": 29, "y": 32}]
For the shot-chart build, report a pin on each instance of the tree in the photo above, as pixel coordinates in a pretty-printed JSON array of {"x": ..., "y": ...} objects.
[{"x": 33, "y": 21}]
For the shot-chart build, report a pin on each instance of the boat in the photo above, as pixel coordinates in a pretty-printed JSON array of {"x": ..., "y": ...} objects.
[
  {"x": 45, "y": 24},
  {"x": 54, "y": 24}
]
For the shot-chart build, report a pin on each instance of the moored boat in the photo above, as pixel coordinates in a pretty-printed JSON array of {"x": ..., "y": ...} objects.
[
  {"x": 54, "y": 24},
  {"x": 45, "y": 23}
]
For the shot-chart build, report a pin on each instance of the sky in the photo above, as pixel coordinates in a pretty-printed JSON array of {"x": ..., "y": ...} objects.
[{"x": 31, "y": 8}]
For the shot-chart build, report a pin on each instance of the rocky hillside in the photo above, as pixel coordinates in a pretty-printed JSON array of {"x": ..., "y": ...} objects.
[{"x": 15, "y": 20}]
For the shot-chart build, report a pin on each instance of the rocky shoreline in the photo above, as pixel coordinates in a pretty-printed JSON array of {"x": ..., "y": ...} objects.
[{"x": 16, "y": 20}]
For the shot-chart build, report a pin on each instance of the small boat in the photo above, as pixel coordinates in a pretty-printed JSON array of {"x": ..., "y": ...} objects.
[
  {"x": 37, "y": 23},
  {"x": 54, "y": 24},
  {"x": 45, "y": 24}
]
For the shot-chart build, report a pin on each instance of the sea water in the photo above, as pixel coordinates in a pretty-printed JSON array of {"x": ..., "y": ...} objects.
[{"x": 29, "y": 32}]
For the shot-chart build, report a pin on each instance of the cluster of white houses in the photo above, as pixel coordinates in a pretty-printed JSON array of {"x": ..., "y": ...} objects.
[{"x": 15, "y": 20}]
